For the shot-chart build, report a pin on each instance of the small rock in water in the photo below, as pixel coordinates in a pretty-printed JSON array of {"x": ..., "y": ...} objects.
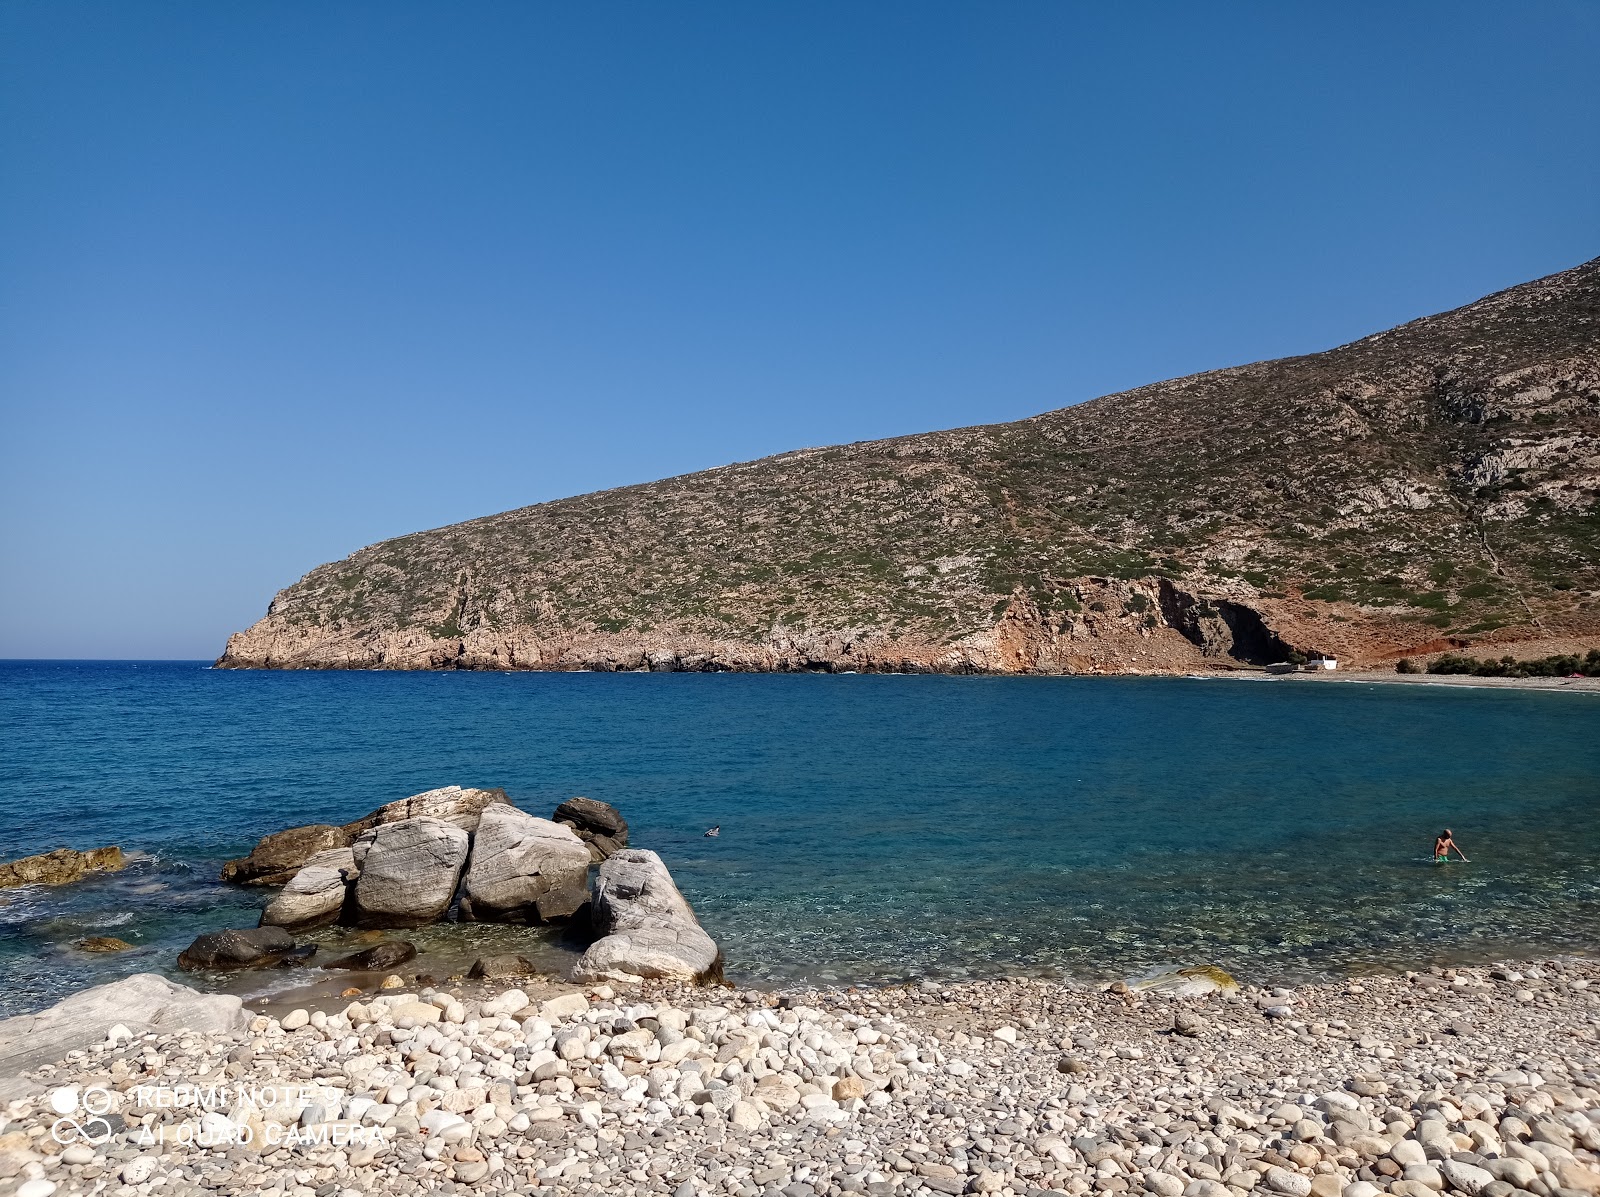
[
  {"x": 252, "y": 947},
  {"x": 102, "y": 943},
  {"x": 378, "y": 958},
  {"x": 505, "y": 965}
]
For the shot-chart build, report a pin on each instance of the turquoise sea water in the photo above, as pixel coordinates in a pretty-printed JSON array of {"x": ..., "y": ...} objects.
[{"x": 874, "y": 828}]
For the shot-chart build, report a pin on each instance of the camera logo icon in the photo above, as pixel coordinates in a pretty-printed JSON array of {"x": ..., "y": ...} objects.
[{"x": 69, "y": 1101}]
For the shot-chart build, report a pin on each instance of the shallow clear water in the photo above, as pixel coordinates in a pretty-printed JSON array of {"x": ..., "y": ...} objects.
[{"x": 874, "y": 828}]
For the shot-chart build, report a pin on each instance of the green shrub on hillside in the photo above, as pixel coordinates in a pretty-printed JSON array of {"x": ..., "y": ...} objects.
[{"x": 1561, "y": 665}]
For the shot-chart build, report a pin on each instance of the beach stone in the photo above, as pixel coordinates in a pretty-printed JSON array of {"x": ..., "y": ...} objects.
[
  {"x": 1407, "y": 1152},
  {"x": 1290, "y": 1184},
  {"x": 745, "y": 1116},
  {"x": 524, "y": 869},
  {"x": 60, "y": 867},
  {"x": 1518, "y": 1173},
  {"x": 276, "y": 858},
  {"x": 1361, "y": 1188},
  {"x": 378, "y": 958},
  {"x": 1327, "y": 1185},
  {"x": 1572, "y": 1175},
  {"x": 986, "y": 1180},
  {"x": 295, "y": 1019},
  {"x": 1425, "y": 1174},
  {"x": 138, "y": 1004},
  {"x": 409, "y": 871},
  {"x": 565, "y": 1005},
  {"x": 254, "y": 947},
  {"x": 314, "y": 896},
  {"x": 1187, "y": 1022},
  {"x": 646, "y": 927},
  {"x": 36, "y": 1188},
  {"x": 1465, "y": 1178},
  {"x": 599, "y": 824}
]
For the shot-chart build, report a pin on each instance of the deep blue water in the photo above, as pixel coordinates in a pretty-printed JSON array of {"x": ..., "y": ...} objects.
[{"x": 874, "y": 828}]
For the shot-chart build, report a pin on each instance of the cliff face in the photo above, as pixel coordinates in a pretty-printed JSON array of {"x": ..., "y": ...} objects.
[{"x": 1434, "y": 485}]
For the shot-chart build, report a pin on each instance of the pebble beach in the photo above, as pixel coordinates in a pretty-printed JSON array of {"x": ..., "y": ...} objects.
[{"x": 1482, "y": 1082}]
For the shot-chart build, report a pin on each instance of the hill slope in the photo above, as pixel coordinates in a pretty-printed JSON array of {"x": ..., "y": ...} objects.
[{"x": 1429, "y": 486}]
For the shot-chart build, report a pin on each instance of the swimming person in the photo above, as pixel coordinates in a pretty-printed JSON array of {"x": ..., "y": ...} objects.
[
  {"x": 1443, "y": 846},
  {"x": 713, "y": 832}
]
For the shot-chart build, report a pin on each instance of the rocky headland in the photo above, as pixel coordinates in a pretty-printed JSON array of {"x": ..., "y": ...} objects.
[
  {"x": 1430, "y": 488},
  {"x": 1477, "y": 1082}
]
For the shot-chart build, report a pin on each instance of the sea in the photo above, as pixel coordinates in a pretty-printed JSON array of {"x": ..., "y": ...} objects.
[{"x": 874, "y": 829}]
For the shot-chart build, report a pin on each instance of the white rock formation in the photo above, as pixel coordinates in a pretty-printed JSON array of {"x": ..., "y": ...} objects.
[
  {"x": 316, "y": 894},
  {"x": 524, "y": 869},
  {"x": 647, "y": 927},
  {"x": 409, "y": 871}
]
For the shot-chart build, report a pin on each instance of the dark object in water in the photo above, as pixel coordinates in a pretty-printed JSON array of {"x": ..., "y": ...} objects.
[
  {"x": 379, "y": 958},
  {"x": 254, "y": 947},
  {"x": 506, "y": 965}
]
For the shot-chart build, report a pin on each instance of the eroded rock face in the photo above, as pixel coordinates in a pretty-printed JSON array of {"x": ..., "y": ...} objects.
[
  {"x": 276, "y": 858},
  {"x": 60, "y": 867},
  {"x": 451, "y": 804},
  {"x": 524, "y": 869},
  {"x": 409, "y": 871},
  {"x": 596, "y": 823},
  {"x": 143, "y": 1002},
  {"x": 315, "y": 895},
  {"x": 257, "y": 947},
  {"x": 647, "y": 927}
]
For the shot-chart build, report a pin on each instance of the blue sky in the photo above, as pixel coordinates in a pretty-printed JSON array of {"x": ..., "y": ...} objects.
[{"x": 278, "y": 281}]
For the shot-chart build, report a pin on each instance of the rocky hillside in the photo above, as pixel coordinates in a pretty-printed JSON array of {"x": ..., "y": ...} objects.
[{"x": 1429, "y": 487}]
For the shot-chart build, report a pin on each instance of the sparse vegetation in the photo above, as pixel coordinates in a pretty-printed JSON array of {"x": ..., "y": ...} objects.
[
  {"x": 1564, "y": 665},
  {"x": 1242, "y": 482}
]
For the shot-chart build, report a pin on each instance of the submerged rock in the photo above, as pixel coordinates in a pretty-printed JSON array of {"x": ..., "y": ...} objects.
[
  {"x": 409, "y": 871},
  {"x": 647, "y": 928},
  {"x": 524, "y": 870},
  {"x": 316, "y": 895},
  {"x": 507, "y": 964},
  {"x": 103, "y": 943},
  {"x": 596, "y": 823},
  {"x": 1197, "y": 981},
  {"x": 379, "y": 958},
  {"x": 60, "y": 867},
  {"x": 255, "y": 947}
]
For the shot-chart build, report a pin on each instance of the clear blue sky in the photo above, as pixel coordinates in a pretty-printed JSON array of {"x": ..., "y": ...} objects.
[{"x": 280, "y": 280}]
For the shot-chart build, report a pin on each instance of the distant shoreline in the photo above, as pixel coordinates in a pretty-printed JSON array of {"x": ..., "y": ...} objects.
[{"x": 1578, "y": 685}]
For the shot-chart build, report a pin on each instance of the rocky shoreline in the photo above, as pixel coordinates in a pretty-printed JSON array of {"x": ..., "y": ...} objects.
[{"x": 1477, "y": 1082}]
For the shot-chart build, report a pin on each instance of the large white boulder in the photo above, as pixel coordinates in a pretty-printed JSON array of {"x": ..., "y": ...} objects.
[
  {"x": 646, "y": 927},
  {"x": 316, "y": 894},
  {"x": 141, "y": 1003},
  {"x": 409, "y": 871},
  {"x": 524, "y": 869}
]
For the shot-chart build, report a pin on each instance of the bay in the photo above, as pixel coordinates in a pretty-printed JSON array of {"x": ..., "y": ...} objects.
[{"x": 874, "y": 828}]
